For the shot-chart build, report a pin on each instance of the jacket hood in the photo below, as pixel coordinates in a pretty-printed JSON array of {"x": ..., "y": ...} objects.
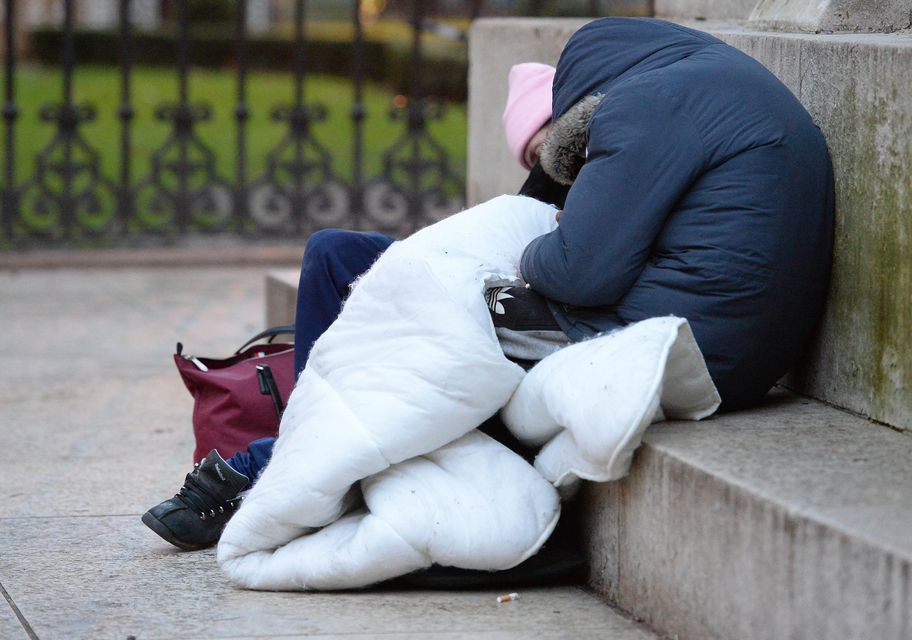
[
  {"x": 597, "y": 56},
  {"x": 564, "y": 151},
  {"x": 607, "y": 50}
]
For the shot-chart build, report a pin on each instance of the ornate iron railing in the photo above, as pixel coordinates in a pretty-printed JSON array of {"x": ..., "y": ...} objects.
[{"x": 67, "y": 199}]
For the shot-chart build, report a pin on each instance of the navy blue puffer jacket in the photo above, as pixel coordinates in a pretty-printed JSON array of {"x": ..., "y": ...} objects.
[{"x": 705, "y": 192}]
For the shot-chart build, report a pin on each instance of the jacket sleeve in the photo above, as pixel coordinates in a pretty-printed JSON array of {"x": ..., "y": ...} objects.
[{"x": 643, "y": 154}]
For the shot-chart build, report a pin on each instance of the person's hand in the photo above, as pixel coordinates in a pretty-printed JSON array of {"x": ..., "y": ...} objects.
[{"x": 557, "y": 216}]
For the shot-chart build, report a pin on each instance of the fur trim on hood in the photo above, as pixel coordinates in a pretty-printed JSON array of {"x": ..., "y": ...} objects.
[{"x": 564, "y": 151}]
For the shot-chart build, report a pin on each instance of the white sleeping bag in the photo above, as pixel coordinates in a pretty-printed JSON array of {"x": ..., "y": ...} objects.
[
  {"x": 590, "y": 403},
  {"x": 377, "y": 471},
  {"x": 411, "y": 365}
]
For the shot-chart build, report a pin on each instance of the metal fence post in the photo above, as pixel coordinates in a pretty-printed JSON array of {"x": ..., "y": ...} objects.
[
  {"x": 125, "y": 113},
  {"x": 10, "y": 112},
  {"x": 357, "y": 114},
  {"x": 241, "y": 114}
]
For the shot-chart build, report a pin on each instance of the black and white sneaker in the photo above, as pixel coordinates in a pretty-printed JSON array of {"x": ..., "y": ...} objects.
[
  {"x": 519, "y": 309},
  {"x": 524, "y": 324},
  {"x": 194, "y": 518}
]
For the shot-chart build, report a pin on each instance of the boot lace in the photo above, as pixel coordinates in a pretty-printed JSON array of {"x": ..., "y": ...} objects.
[{"x": 195, "y": 496}]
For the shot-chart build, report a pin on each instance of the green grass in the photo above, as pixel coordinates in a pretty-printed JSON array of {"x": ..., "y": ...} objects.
[{"x": 100, "y": 86}]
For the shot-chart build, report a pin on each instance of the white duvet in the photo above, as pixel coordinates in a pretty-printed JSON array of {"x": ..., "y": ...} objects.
[{"x": 379, "y": 471}]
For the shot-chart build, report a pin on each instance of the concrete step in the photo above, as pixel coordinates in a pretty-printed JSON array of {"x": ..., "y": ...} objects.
[
  {"x": 793, "y": 520},
  {"x": 281, "y": 295}
]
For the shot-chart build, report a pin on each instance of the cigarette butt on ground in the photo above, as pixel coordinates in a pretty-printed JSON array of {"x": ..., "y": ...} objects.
[{"x": 507, "y": 597}]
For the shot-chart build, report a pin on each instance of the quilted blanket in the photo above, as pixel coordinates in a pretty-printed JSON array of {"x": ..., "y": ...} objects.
[{"x": 379, "y": 471}]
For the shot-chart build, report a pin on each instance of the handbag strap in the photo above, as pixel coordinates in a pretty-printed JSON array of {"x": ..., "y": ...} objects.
[
  {"x": 270, "y": 333},
  {"x": 268, "y": 387}
]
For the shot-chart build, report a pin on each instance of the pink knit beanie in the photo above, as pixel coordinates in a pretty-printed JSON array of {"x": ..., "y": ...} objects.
[{"x": 528, "y": 104}]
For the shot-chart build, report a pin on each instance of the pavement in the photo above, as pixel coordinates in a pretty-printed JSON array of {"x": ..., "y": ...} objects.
[{"x": 95, "y": 429}]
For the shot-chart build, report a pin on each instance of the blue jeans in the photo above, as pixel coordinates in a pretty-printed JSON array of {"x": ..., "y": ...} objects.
[
  {"x": 252, "y": 461},
  {"x": 333, "y": 260}
]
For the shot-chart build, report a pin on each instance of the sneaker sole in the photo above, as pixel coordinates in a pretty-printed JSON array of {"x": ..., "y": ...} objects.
[{"x": 166, "y": 534}]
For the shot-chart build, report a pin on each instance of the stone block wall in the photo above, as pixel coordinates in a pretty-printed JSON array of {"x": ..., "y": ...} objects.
[
  {"x": 495, "y": 45},
  {"x": 882, "y": 16},
  {"x": 705, "y": 9},
  {"x": 859, "y": 90}
]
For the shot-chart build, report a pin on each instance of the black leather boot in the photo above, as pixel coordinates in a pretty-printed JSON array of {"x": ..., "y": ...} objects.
[{"x": 194, "y": 518}]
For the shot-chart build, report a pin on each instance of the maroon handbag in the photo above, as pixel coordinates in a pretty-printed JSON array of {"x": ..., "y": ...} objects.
[{"x": 241, "y": 398}]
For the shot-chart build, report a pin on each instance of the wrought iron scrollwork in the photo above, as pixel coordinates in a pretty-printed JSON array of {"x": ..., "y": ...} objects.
[
  {"x": 68, "y": 197},
  {"x": 183, "y": 190},
  {"x": 417, "y": 186},
  {"x": 183, "y": 187},
  {"x": 299, "y": 191}
]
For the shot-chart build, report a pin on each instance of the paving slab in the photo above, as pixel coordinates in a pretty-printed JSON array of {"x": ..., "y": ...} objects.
[
  {"x": 110, "y": 577},
  {"x": 85, "y": 321},
  {"x": 10, "y": 627},
  {"x": 95, "y": 428},
  {"x": 117, "y": 449},
  {"x": 89, "y": 385},
  {"x": 203, "y": 250}
]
